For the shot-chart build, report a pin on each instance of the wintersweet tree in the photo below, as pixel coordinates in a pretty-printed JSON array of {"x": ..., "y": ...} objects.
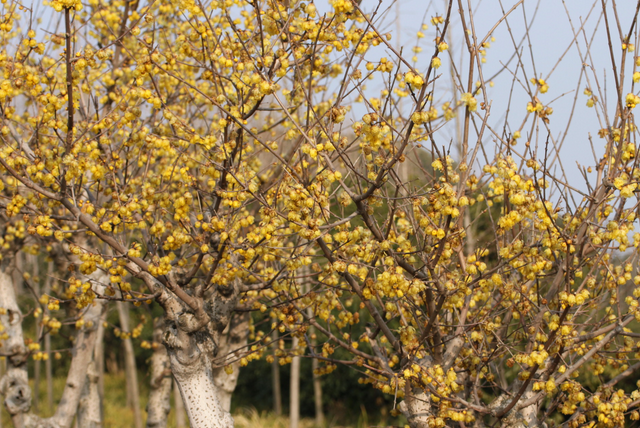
[{"x": 223, "y": 157}]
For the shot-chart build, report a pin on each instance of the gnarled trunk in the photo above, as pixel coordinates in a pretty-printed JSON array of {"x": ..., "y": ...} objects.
[
  {"x": 191, "y": 368},
  {"x": 192, "y": 335},
  {"x": 191, "y": 348},
  {"x": 15, "y": 382}
]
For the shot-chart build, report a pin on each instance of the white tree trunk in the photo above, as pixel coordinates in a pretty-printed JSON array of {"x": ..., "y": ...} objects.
[
  {"x": 191, "y": 369},
  {"x": 2, "y": 370},
  {"x": 233, "y": 339},
  {"x": 178, "y": 405},
  {"x": 191, "y": 352},
  {"x": 416, "y": 407},
  {"x": 15, "y": 384},
  {"x": 192, "y": 347},
  {"x": 35, "y": 272},
  {"x": 159, "y": 403},
  {"x": 89, "y": 412},
  {"x": 317, "y": 383},
  {"x": 294, "y": 389}
]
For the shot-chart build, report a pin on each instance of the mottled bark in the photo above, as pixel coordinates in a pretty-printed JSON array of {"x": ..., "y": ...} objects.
[
  {"x": 89, "y": 412},
  {"x": 159, "y": 403},
  {"x": 526, "y": 417},
  {"x": 192, "y": 348},
  {"x": 90, "y": 408},
  {"x": 14, "y": 384},
  {"x": 191, "y": 335},
  {"x": 2, "y": 370},
  {"x": 416, "y": 407},
  {"x": 233, "y": 339},
  {"x": 191, "y": 368},
  {"x": 178, "y": 406}
]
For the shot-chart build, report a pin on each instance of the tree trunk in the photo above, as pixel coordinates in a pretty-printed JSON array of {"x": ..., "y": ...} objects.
[
  {"x": 98, "y": 360},
  {"x": 192, "y": 343},
  {"x": 294, "y": 389},
  {"x": 133, "y": 392},
  {"x": 275, "y": 377},
  {"x": 192, "y": 370},
  {"x": 2, "y": 370},
  {"x": 35, "y": 272},
  {"x": 317, "y": 392},
  {"x": 159, "y": 403},
  {"x": 15, "y": 384},
  {"x": 233, "y": 339},
  {"x": 89, "y": 410},
  {"x": 48, "y": 368},
  {"x": 317, "y": 383},
  {"x": 416, "y": 407},
  {"x": 191, "y": 352},
  {"x": 36, "y": 383},
  {"x": 17, "y": 273},
  {"x": 178, "y": 406}
]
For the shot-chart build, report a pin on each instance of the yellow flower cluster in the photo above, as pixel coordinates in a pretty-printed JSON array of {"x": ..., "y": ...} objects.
[
  {"x": 541, "y": 84},
  {"x": 631, "y": 100},
  {"x": 468, "y": 100},
  {"x": 161, "y": 266},
  {"x": 414, "y": 80},
  {"x": 59, "y": 5},
  {"x": 421, "y": 117}
]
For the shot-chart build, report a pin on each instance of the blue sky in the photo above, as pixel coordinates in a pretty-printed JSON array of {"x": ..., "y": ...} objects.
[{"x": 549, "y": 53}]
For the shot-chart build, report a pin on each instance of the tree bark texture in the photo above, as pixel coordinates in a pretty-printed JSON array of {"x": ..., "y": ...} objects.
[
  {"x": 89, "y": 410},
  {"x": 14, "y": 384},
  {"x": 192, "y": 348},
  {"x": 159, "y": 403},
  {"x": 178, "y": 405},
  {"x": 233, "y": 339}
]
